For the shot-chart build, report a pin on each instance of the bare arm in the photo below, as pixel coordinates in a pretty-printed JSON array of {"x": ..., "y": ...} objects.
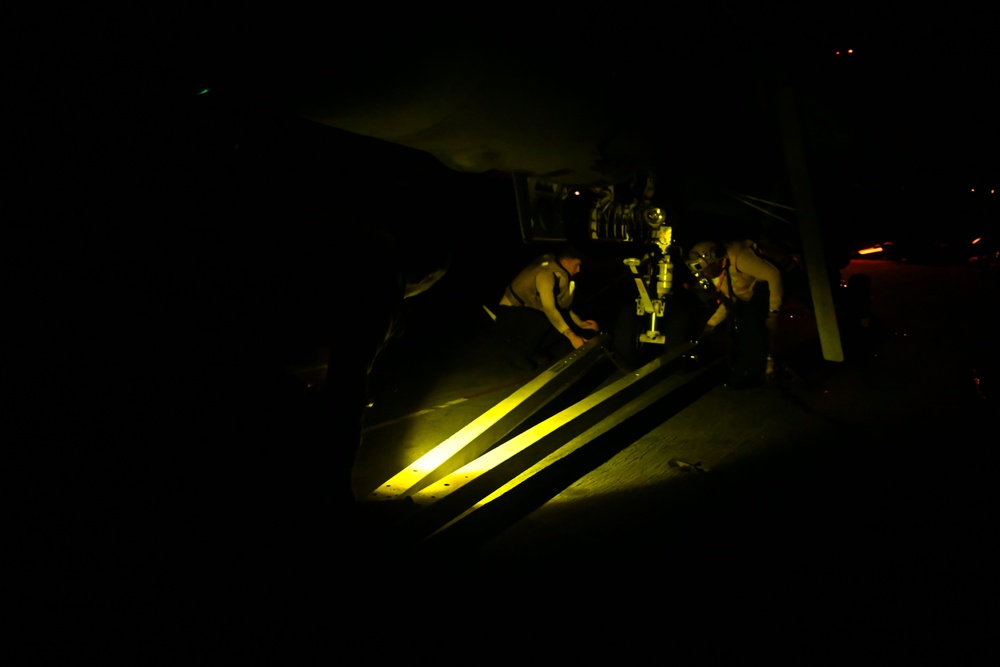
[
  {"x": 718, "y": 316},
  {"x": 545, "y": 283},
  {"x": 584, "y": 324}
]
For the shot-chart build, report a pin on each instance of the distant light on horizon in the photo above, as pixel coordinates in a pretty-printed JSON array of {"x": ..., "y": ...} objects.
[{"x": 868, "y": 251}]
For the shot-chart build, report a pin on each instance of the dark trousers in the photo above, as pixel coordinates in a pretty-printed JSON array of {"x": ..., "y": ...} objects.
[
  {"x": 529, "y": 335},
  {"x": 749, "y": 338}
]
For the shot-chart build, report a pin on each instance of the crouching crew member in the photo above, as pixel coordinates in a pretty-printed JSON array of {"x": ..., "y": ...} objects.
[{"x": 535, "y": 316}]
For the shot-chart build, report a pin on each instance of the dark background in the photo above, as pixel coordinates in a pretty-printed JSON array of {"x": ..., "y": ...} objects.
[{"x": 162, "y": 242}]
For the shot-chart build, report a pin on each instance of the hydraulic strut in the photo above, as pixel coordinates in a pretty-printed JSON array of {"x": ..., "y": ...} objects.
[{"x": 646, "y": 305}]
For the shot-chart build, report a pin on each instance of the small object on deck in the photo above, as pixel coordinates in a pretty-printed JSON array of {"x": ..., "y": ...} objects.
[{"x": 684, "y": 466}]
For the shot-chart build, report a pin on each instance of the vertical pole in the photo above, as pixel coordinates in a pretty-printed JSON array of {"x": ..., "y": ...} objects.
[{"x": 812, "y": 244}]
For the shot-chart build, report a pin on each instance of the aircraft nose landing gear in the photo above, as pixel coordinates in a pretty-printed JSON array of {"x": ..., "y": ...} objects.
[{"x": 660, "y": 318}]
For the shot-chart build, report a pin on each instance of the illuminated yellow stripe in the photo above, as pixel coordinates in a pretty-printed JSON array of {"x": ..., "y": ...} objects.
[
  {"x": 491, "y": 459},
  {"x": 469, "y": 472},
  {"x": 472, "y": 435},
  {"x": 570, "y": 447}
]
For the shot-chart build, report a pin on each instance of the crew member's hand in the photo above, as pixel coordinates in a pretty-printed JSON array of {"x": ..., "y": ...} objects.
[
  {"x": 576, "y": 340},
  {"x": 705, "y": 334},
  {"x": 589, "y": 324},
  {"x": 772, "y": 321}
]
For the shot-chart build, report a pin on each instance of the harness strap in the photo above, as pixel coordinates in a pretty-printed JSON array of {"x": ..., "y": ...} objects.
[
  {"x": 730, "y": 299},
  {"x": 510, "y": 288}
]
